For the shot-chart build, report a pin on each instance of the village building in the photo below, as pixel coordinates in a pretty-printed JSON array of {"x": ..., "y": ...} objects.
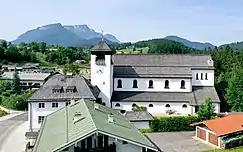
[
  {"x": 225, "y": 132},
  {"x": 86, "y": 126},
  {"x": 58, "y": 92},
  {"x": 28, "y": 80},
  {"x": 140, "y": 119}
]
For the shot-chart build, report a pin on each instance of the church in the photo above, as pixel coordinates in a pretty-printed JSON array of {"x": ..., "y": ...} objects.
[{"x": 174, "y": 82}]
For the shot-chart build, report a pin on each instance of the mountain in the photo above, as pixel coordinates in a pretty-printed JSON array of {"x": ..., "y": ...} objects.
[
  {"x": 196, "y": 45},
  {"x": 58, "y": 34},
  {"x": 237, "y": 45},
  {"x": 84, "y": 32}
]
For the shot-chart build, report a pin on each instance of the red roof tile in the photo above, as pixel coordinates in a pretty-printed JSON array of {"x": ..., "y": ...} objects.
[{"x": 225, "y": 125}]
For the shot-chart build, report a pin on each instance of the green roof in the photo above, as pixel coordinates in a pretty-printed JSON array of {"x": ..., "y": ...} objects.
[{"x": 56, "y": 133}]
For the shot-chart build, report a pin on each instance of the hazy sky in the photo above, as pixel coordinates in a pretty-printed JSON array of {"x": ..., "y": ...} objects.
[{"x": 215, "y": 21}]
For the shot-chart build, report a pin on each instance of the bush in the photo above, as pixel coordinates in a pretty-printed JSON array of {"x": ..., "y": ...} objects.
[
  {"x": 145, "y": 130},
  {"x": 2, "y": 113},
  {"x": 16, "y": 102},
  {"x": 170, "y": 124}
]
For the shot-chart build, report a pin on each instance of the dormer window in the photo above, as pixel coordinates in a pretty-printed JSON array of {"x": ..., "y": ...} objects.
[
  {"x": 57, "y": 89},
  {"x": 71, "y": 89}
]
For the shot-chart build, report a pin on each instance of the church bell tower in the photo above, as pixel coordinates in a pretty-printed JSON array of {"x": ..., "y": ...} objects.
[{"x": 102, "y": 71}]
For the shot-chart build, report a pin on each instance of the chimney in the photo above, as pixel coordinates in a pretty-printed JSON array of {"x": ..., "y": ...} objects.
[
  {"x": 72, "y": 101},
  {"x": 110, "y": 118},
  {"x": 96, "y": 106},
  {"x": 77, "y": 116}
]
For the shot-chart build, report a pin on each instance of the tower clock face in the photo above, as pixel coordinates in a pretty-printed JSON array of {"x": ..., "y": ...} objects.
[{"x": 100, "y": 70}]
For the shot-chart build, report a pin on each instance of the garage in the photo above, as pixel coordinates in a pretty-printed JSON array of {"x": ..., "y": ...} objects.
[
  {"x": 201, "y": 133},
  {"x": 213, "y": 139}
]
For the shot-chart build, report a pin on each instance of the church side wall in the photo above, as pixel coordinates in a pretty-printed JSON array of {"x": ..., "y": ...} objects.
[
  {"x": 158, "y": 107},
  {"x": 158, "y": 84}
]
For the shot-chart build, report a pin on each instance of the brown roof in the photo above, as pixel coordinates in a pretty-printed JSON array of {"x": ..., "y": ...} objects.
[{"x": 226, "y": 125}]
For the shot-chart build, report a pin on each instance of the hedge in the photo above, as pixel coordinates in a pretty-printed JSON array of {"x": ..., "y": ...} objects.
[{"x": 170, "y": 124}]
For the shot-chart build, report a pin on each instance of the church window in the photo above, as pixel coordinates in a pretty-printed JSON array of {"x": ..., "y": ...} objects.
[
  {"x": 167, "y": 105},
  {"x": 135, "y": 84},
  {"x": 182, "y": 84},
  {"x": 151, "y": 105},
  {"x": 184, "y": 106},
  {"x": 119, "y": 83},
  {"x": 166, "y": 84},
  {"x": 201, "y": 76},
  {"x": 117, "y": 105},
  {"x": 150, "y": 84},
  {"x": 206, "y": 76},
  {"x": 197, "y": 76}
]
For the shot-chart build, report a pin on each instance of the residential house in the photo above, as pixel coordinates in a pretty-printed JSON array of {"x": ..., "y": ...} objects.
[{"x": 85, "y": 126}]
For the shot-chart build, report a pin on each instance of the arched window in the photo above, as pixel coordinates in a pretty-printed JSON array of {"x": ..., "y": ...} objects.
[
  {"x": 166, "y": 84},
  {"x": 206, "y": 76},
  {"x": 133, "y": 105},
  {"x": 150, "y": 84},
  {"x": 135, "y": 84},
  {"x": 201, "y": 76},
  {"x": 117, "y": 105},
  {"x": 184, "y": 106},
  {"x": 167, "y": 105},
  {"x": 197, "y": 76},
  {"x": 119, "y": 83},
  {"x": 151, "y": 105},
  {"x": 182, "y": 84}
]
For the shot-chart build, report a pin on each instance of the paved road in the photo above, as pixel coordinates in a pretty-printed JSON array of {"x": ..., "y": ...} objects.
[
  {"x": 7, "y": 126},
  {"x": 178, "y": 142}
]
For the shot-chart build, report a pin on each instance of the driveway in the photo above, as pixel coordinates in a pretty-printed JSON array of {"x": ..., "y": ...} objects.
[
  {"x": 8, "y": 132},
  {"x": 178, "y": 142}
]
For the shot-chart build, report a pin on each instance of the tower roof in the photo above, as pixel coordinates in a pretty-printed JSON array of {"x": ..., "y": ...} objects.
[{"x": 101, "y": 47}]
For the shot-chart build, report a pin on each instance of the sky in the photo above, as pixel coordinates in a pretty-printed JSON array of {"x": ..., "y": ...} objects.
[{"x": 214, "y": 21}]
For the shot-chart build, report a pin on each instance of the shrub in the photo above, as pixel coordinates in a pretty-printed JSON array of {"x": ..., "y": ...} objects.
[
  {"x": 2, "y": 113},
  {"x": 170, "y": 124},
  {"x": 145, "y": 130}
]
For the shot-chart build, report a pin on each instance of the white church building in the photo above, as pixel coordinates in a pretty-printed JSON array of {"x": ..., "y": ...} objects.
[{"x": 178, "y": 82}]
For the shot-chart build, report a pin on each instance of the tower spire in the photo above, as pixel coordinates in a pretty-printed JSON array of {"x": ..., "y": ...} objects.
[{"x": 102, "y": 32}]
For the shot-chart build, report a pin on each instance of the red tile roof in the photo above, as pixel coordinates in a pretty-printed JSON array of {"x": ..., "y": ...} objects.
[{"x": 225, "y": 125}]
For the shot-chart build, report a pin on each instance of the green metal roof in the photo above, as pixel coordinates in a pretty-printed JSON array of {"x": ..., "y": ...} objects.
[{"x": 56, "y": 133}]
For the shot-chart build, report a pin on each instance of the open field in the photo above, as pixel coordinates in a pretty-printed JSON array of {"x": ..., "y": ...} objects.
[
  {"x": 240, "y": 149},
  {"x": 143, "y": 50}
]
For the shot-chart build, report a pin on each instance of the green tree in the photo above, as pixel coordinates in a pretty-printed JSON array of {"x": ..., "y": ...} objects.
[
  {"x": 4, "y": 44},
  {"x": 16, "y": 82},
  {"x": 139, "y": 108},
  {"x": 134, "y": 49},
  {"x": 42, "y": 47},
  {"x": 206, "y": 110},
  {"x": 235, "y": 91}
]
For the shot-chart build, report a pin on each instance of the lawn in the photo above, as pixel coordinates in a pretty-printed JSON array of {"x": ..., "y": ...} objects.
[
  {"x": 143, "y": 50},
  {"x": 240, "y": 149}
]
